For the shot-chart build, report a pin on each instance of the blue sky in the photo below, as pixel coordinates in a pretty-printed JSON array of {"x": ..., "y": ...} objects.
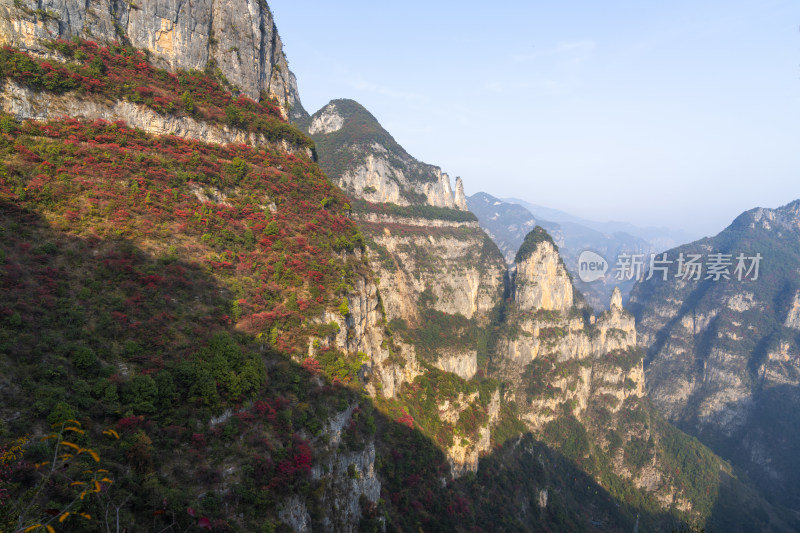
[{"x": 682, "y": 114}]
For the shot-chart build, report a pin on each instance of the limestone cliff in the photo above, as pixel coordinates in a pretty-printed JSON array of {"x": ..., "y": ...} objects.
[
  {"x": 460, "y": 198},
  {"x": 439, "y": 282},
  {"x": 23, "y": 103},
  {"x": 238, "y": 37},
  {"x": 578, "y": 380},
  {"x": 552, "y": 342},
  {"x": 541, "y": 279},
  {"x": 365, "y": 161},
  {"x": 440, "y": 275}
]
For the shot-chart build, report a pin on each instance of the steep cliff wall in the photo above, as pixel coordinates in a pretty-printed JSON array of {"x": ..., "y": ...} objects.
[
  {"x": 414, "y": 257},
  {"x": 440, "y": 275},
  {"x": 555, "y": 356},
  {"x": 439, "y": 282},
  {"x": 722, "y": 354},
  {"x": 542, "y": 281},
  {"x": 239, "y": 37},
  {"x": 347, "y": 481}
]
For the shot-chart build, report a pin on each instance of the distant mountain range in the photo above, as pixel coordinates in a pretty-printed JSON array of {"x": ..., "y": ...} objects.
[
  {"x": 509, "y": 220},
  {"x": 660, "y": 238}
]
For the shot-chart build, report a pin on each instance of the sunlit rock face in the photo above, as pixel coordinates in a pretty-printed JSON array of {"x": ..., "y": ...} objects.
[
  {"x": 238, "y": 37},
  {"x": 542, "y": 281},
  {"x": 365, "y": 161}
]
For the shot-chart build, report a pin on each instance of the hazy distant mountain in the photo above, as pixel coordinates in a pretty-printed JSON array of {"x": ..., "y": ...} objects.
[
  {"x": 508, "y": 223},
  {"x": 660, "y": 238}
]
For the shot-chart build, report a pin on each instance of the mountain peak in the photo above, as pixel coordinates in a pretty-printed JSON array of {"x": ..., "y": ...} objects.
[
  {"x": 541, "y": 280},
  {"x": 365, "y": 160},
  {"x": 531, "y": 243},
  {"x": 784, "y": 217}
]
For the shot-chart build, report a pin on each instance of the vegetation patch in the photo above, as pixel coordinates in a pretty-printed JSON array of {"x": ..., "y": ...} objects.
[
  {"x": 120, "y": 72},
  {"x": 414, "y": 211},
  {"x": 532, "y": 239}
]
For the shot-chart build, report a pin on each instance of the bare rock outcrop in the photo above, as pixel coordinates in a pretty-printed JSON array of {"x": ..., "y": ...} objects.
[
  {"x": 542, "y": 281},
  {"x": 237, "y": 36}
]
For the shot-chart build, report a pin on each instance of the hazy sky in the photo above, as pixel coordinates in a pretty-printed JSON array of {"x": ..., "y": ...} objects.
[{"x": 680, "y": 113}]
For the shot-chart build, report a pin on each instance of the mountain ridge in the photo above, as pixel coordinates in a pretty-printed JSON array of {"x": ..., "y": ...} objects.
[
  {"x": 720, "y": 354},
  {"x": 365, "y": 160},
  {"x": 661, "y": 237}
]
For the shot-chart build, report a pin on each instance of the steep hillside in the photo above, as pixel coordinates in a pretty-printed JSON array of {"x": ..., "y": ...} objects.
[
  {"x": 722, "y": 355},
  {"x": 125, "y": 306}
]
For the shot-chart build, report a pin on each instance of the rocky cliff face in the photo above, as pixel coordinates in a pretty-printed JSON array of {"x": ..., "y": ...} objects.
[
  {"x": 348, "y": 481},
  {"x": 363, "y": 330},
  {"x": 238, "y": 37},
  {"x": 578, "y": 381},
  {"x": 439, "y": 281},
  {"x": 436, "y": 256},
  {"x": 542, "y": 281},
  {"x": 440, "y": 275},
  {"x": 552, "y": 342},
  {"x": 722, "y": 357},
  {"x": 420, "y": 256},
  {"x": 365, "y": 161},
  {"x": 460, "y": 198},
  {"x": 23, "y": 103}
]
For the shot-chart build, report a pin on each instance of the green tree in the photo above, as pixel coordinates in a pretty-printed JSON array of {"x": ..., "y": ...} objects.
[
  {"x": 344, "y": 307},
  {"x": 141, "y": 393}
]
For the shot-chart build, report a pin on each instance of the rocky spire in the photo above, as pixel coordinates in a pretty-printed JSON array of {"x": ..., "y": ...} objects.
[
  {"x": 541, "y": 281},
  {"x": 460, "y": 198},
  {"x": 616, "y": 300}
]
